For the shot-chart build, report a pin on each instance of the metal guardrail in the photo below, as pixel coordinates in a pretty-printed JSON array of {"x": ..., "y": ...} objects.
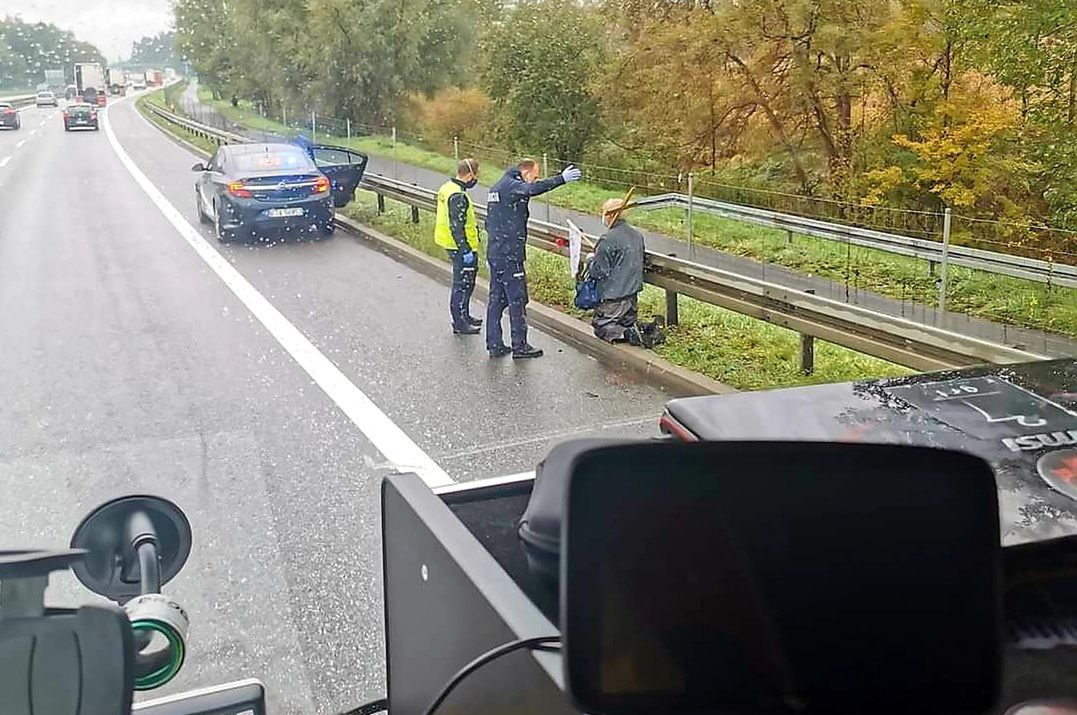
[
  {"x": 20, "y": 100},
  {"x": 889, "y": 337},
  {"x": 1033, "y": 269}
]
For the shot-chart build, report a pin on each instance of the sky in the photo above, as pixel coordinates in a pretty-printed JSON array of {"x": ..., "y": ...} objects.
[{"x": 112, "y": 25}]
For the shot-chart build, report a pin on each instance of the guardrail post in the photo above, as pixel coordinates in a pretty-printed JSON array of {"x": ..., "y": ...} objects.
[
  {"x": 284, "y": 113},
  {"x": 788, "y": 236},
  {"x": 395, "y": 172},
  {"x": 456, "y": 149},
  {"x": 313, "y": 127},
  {"x": 691, "y": 196},
  {"x": 946, "y": 221},
  {"x": 807, "y": 349},
  {"x": 415, "y": 214},
  {"x": 381, "y": 203},
  {"x": 348, "y": 125},
  {"x": 672, "y": 307}
]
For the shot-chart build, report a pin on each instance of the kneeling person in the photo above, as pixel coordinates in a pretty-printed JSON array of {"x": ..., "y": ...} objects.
[{"x": 617, "y": 267}]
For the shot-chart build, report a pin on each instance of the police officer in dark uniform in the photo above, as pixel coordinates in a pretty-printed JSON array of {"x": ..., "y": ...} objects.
[{"x": 506, "y": 227}]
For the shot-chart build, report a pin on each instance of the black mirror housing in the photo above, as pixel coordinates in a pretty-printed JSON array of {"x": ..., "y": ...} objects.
[{"x": 198, "y": 167}]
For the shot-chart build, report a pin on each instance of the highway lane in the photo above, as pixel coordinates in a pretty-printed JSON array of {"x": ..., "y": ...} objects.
[
  {"x": 17, "y": 143},
  {"x": 127, "y": 365}
]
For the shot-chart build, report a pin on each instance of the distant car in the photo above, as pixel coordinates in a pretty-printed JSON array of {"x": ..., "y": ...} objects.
[
  {"x": 271, "y": 188},
  {"x": 102, "y": 99},
  {"x": 139, "y": 84},
  {"x": 8, "y": 116},
  {"x": 80, "y": 115},
  {"x": 46, "y": 98}
]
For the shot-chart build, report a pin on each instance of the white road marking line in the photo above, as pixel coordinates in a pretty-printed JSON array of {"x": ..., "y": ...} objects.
[
  {"x": 20, "y": 143},
  {"x": 4, "y": 161},
  {"x": 33, "y": 131},
  {"x": 383, "y": 433}
]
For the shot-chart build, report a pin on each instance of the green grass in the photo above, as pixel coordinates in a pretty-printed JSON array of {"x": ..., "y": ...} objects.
[
  {"x": 158, "y": 98},
  {"x": 731, "y": 348},
  {"x": 979, "y": 294}
]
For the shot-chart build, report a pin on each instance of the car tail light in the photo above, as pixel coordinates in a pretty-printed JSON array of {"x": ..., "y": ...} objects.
[
  {"x": 9, "y": 110},
  {"x": 236, "y": 188},
  {"x": 67, "y": 115},
  {"x": 321, "y": 185}
]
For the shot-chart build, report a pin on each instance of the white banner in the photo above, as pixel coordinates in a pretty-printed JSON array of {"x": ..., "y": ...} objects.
[{"x": 575, "y": 247}]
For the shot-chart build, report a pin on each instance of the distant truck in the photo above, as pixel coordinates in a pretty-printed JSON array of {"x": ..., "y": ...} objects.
[
  {"x": 138, "y": 80},
  {"x": 55, "y": 81},
  {"x": 90, "y": 81},
  {"x": 117, "y": 81},
  {"x": 155, "y": 78}
]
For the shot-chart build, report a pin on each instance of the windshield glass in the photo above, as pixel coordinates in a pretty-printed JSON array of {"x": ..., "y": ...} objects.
[{"x": 484, "y": 227}]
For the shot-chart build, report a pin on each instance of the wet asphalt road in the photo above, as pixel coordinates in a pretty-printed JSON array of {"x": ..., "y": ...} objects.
[{"x": 126, "y": 365}]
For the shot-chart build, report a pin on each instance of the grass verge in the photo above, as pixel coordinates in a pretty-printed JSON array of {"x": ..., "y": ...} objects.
[
  {"x": 740, "y": 351},
  {"x": 159, "y": 99},
  {"x": 977, "y": 293},
  {"x": 729, "y": 347}
]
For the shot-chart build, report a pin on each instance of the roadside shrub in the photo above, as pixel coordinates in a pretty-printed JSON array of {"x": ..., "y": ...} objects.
[{"x": 452, "y": 112}]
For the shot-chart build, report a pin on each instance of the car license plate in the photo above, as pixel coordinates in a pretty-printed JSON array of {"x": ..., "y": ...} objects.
[{"x": 281, "y": 213}]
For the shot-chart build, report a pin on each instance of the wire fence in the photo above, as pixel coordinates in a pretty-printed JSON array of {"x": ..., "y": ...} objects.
[
  {"x": 841, "y": 271},
  {"x": 1030, "y": 239}
]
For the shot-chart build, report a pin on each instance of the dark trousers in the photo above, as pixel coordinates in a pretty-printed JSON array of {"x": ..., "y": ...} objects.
[
  {"x": 463, "y": 285},
  {"x": 613, "y": 317},
  {"x": 508, "y": 289}
]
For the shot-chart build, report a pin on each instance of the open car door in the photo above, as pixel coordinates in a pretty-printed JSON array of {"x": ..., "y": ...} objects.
[{"x": 344, "y": 167}]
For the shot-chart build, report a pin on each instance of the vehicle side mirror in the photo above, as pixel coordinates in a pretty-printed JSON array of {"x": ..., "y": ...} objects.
[
  {"x": 199, "y": 167},
  {"x": 757, "y": 577}
]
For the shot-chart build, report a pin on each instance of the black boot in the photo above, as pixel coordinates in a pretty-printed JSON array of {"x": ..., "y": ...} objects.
[
  {"x": 466, "y": 330},
  {"x": 500, "y": 351},
  {"x": 474, "y": 321},
  {"x": 526, "y": 352}
]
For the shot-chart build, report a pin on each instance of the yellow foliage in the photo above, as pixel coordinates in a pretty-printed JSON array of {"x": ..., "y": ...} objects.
[
  {"x": 880, "y": 182},
  {"x": 452, "y": 112},
  {"x": 958, "y": 153}
]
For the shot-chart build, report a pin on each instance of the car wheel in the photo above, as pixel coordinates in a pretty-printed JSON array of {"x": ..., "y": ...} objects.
[{"x": 223, "y": 234}]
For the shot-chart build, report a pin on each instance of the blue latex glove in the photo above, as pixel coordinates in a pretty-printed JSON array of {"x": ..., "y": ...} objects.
[
  {"x": 571, "y": 173},
  {"x": 468, "y": 259}
]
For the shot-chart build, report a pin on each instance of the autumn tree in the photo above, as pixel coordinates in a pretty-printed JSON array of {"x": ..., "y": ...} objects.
[{"x": 539, "y": 67}]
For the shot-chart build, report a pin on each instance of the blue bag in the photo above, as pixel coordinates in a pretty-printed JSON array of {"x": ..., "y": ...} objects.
[{"x": 587, "y": 294}]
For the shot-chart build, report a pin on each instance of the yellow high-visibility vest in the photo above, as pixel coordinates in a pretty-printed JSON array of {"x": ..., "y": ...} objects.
[{"x": 442, "y": 232}]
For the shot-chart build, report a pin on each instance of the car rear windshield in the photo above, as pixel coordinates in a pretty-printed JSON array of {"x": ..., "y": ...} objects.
[
  {"x": 80, "y": 110},
  {"x": 284, "y": 160}
]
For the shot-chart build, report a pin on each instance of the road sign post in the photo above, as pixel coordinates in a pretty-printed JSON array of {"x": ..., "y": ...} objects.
[
  {"x": 691, "y": 201},
  {"x": 944, "y": 264}
]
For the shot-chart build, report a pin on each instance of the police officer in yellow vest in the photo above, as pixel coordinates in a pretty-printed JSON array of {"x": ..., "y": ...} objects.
[{"x": 456, "y": 231}]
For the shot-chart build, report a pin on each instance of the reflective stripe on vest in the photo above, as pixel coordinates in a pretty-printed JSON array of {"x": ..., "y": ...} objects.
[{"x": 442, "y": 232}]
